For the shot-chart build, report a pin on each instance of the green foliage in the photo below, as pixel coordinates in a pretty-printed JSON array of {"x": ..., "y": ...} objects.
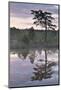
[
  {"x": 31, "y": 33},
  {"x": 25, "y": 39},
  {"x": 21, "y": 38}
]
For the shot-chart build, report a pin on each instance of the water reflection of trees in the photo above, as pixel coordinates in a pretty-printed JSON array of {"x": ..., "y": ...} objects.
[
  {"x": 43, "y": 68},
  {"x": 32, "y": 54},
  {"x": 32, "y": 57},
  {"x": 23, "y": 53},
  {"x": 40, "y": 73}
]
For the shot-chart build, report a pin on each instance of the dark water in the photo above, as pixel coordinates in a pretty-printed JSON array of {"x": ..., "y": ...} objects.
[{"x": 28, "y": 67}]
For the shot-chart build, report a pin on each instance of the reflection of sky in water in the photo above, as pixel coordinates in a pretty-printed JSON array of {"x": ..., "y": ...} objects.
[{"x": 21, "y": 70}]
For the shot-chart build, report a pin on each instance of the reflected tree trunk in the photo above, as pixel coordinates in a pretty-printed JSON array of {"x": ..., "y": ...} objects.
[{"x": 45, "y": 63}]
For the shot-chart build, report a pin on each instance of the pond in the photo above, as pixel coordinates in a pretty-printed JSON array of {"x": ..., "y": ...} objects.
[{"x": 29, "y": 67}]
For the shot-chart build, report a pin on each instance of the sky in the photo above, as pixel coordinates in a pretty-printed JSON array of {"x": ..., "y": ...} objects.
[{"x": 21, "y": 17}]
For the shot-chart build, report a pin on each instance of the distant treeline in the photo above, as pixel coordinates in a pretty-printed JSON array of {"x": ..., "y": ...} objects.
[{"x": 31, "y": 38}]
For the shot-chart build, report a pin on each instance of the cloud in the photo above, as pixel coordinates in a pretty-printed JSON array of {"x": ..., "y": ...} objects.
[
  {"x": 22, "y": 23},
  {"x": 24, "y": 9},
  {"x": 28, "y": 22},
  {"x": 21, "y": 17}
]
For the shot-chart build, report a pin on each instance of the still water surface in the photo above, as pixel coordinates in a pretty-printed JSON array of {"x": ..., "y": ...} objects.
[{"x": 22, "y": 67}]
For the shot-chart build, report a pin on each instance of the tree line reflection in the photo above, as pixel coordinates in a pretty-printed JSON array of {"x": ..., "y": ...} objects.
[{"x": 43, "y": 67}]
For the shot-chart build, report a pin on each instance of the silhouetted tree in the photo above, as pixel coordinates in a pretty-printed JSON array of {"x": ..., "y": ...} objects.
[{"x": 44, "y": 19}]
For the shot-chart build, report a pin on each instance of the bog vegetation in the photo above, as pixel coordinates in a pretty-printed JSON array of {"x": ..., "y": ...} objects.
[{"x": 31, "y": 38}]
